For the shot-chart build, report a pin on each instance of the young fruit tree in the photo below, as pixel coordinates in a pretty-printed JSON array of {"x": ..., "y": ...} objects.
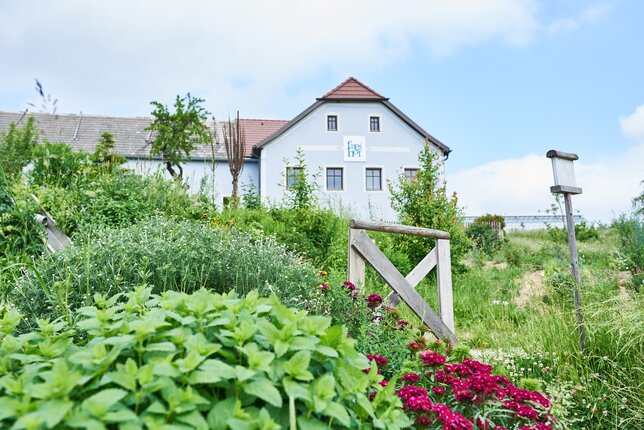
[
  {"x": 235, "y": 143},
  {"x": 422, "y": 201},
  {"x": 178, "y": 132}
]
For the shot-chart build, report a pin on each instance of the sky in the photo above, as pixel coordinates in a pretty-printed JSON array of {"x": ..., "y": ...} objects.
[{"x": 499, "y": 81}]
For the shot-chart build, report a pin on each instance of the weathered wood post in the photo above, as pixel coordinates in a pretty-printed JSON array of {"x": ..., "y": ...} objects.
[
  {"x": 564, "y": 174},
  {"x": 356, "y": 262},
  {"x": 444, "y": 274}
]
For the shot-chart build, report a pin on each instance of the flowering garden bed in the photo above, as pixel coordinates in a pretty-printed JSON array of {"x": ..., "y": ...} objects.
[{"x": 439, "y": 388}]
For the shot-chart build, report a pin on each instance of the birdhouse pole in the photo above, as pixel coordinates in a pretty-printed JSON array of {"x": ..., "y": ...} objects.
[{"x": 564, "y": 174}]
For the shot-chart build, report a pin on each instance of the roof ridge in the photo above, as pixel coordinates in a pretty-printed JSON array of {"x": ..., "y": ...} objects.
[
  {"x": 85, "y": 115},
  {"x": 262, "y": 119},
  {"x": 357, "y": 81}
]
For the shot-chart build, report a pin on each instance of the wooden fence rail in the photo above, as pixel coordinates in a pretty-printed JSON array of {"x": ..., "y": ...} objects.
[{"x": 362, "y": 248}]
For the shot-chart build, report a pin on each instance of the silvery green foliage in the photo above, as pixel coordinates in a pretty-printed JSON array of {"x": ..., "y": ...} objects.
[
  {"x": 181, "y": 256},
  {"x": 181, "y": 361}
]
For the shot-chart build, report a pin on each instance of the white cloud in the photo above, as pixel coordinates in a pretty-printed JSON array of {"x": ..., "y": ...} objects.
[
  {"x": 591, "y": 14},
  {"x": 101, "y": 57},
  {"x": 633, "y": 125},
  {"x": 521, "y": 186}
]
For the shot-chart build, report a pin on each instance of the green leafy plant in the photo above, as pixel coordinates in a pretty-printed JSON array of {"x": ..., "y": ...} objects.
[
  {"x": 171, "y": 255},
  {"x": 204, "y": 361},
  {"x": 301, "y": 186},
  {"x": 16, "y": 148},
  {"x": 56, "y": 164},
  {"x": 423, "y": 202},
  {"x": 484, "y": 237}
]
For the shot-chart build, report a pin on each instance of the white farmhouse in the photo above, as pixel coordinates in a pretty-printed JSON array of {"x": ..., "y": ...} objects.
[
  {"x": 356, "y": 140},
  {"x": 352, "y": 138}
]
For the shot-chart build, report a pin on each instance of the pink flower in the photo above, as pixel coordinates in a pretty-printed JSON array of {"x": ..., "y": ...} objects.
[
  {"x": 418, "y": 404},
  {"x": 409, "y": 391},
  {"x": 438, "y": 390},
  {"x": 411, "y": 377},
  {"x": 324, "y": 286},
  {"x": 431, "y": 358}
]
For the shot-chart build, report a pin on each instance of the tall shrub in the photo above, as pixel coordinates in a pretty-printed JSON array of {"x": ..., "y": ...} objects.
[{"x": 423, "y": 202}]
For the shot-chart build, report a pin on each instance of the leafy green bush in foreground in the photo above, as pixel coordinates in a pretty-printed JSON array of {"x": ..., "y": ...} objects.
[
  {"x": 181, "y": 256},
  {"x": 189, "y": 361}
]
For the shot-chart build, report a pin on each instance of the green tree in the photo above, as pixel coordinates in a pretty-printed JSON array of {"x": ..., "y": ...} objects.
[
  {"x": 16, "y": 148},
  {"x": 178, "y": 132},
  {"x": 423, "y": 202}
]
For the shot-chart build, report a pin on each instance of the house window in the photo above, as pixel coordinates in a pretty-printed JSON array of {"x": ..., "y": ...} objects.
[
  {"x": 292, "y": 173},
  {"x": 334, "y": 179},
  {"x": 411, "y": 174},
  {"x": 374, "y": 123},
  {"x": 374, "y": 179},
  {"x": 332, "y": 122}
]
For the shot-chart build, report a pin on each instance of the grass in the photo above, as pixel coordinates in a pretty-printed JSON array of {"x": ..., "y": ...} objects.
[{"x": 605, "y": 382}]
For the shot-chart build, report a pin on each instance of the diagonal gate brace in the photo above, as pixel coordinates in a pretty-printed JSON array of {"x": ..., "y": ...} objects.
[{"x": 402, "y": 287}]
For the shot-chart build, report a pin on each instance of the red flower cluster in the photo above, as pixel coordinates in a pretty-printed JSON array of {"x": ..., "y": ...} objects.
[
  {"x": 409, "y": 391},
  {"x": 466, "y": 389},
  {"x": 374, "y": 300},
  {"x": 379, "y": 359},
  {"x": 411, "y": 377},
  {"x": 349, "y": 285},
  {"x": 431, "y": 358},
  {"x": 416, "y": 346}
]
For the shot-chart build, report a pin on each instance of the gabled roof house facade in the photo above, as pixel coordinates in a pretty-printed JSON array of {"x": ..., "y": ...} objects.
[{"x": 353, "y": 140}]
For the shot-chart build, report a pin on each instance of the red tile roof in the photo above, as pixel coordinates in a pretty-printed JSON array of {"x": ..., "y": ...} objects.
[
  {"x": 256, "y": 130},
  {"x": 352, "y": 89}
]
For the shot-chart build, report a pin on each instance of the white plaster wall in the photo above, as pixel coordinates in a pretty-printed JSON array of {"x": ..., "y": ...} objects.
[{"x": 196, "y": 171}]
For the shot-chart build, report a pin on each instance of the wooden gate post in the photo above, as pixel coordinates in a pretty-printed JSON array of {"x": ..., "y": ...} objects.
[
  {"x": 444, "y": 272},
  {"x": 355, "y": 271}
]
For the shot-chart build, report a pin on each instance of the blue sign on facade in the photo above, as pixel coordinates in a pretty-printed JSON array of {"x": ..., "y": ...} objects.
[{"x": 354, "y": 148}]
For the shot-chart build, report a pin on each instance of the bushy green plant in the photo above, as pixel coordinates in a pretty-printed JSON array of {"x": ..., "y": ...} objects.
[
  {"x": 484, "y": 237},
  {"x": 301, "y": 193},
  {"x": 21, "y": 237},
  {"x": 250, "y": 196},
  {"x": 318, "y": 234},
  {"x": 16, "y": 148},
  {"x": 56, "y": 164},
  {"x": 19, "y": 231},
  {"x": 492, "y": 218},
  {"x": 583, "y": 232},
  {"x": 189, "y": 361},
  {"x": 423, "y": 202},
  {"x": 181, "y": 256},
  {"x": 631, "y": 242},
  {"x": 104, "y": 154},
  {"x": 117, "y": 199}
]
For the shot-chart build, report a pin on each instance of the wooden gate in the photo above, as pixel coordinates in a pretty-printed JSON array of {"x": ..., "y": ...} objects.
[{"x": 362, "y": 248}]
